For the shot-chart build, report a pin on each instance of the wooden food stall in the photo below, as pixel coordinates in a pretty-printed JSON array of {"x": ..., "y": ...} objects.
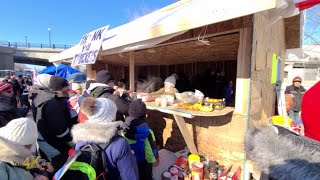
[{"x": 240, "y": 40}]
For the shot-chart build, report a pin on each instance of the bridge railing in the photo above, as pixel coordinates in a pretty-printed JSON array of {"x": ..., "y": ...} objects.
[{"x": 33, "y": 45}]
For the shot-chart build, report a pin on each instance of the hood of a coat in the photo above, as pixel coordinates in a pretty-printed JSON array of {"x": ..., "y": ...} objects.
[
  {"x": 43, "y": 96},
  {"x": 94, "y": 133},
  {"x": 283, "y": 155},
  {"x": 13, "y": 153}
]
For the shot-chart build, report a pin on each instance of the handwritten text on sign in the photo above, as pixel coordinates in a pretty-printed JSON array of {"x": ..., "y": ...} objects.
[{"x": 89, "y": 47}]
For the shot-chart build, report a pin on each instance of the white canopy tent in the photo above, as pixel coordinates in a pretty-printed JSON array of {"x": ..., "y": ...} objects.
[{"x": 171, "y": 21}]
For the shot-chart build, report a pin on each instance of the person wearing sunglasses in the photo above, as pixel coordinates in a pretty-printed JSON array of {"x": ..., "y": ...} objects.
[{"x": 296, "y": 90}]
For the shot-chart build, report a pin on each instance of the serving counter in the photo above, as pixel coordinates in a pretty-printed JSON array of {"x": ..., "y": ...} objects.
[{"x": 180, "y": 113}]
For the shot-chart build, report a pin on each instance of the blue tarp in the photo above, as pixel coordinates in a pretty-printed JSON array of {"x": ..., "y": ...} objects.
[{"x": 62, "y": 70}]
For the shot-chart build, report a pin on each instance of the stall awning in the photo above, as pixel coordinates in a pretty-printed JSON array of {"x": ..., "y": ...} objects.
[
  {"x": 171, "y": 21},
  {"x": 190, "y": 15},
  {"x": 65, "y": 55}
]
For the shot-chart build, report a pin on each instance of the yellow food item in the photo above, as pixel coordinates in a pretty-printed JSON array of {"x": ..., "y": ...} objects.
[
  {"x": 211, "y": 100},
  {"x": 206, "y": 108},
  {"x": 184, "y": 105},
  {"x": 195, "y": 107}
]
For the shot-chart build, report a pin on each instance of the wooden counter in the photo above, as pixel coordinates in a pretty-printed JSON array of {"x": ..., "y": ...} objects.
[{"x": 179, "y": 114}]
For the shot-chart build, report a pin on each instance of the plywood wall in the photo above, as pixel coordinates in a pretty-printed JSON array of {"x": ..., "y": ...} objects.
[
  {"x": 217, "y": 138},
  {"x": 267, "y": 39}
]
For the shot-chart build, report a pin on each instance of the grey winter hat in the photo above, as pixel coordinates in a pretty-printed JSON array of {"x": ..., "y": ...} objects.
[
  {"x": 170, "y": 80},
  {"x": 57, "y": 83},
  {"x": 99, "y": 110}
]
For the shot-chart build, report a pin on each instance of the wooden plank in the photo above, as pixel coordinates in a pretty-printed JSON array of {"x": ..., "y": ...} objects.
[
  {"x": 131, "y": 71},
  {"x": 185, "y": 133},
  {"x": 243, "y": 80},
  {"x": 91, "y": 74}
]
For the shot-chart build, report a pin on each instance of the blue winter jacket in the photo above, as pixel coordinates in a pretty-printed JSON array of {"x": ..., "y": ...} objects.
[{"x": 121, "y": 162}]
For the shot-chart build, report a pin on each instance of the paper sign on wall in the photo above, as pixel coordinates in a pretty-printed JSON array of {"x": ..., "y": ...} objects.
[
  {"x": 89, "y": 47},
  {"x": 274, "y": 68}
]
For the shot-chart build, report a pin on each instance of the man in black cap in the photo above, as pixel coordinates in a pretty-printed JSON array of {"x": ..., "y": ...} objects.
[
  {"x": 104, "y": 88},
  {"x": 54, "y": 121}
]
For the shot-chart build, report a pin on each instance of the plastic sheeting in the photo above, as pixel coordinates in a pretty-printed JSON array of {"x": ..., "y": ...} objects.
[{"x": 62, "y": 70}]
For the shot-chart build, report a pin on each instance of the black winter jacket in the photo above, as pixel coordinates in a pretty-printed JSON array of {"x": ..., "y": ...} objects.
[
  {"x": 121, "y": 103},
  {"x": 297, "y": 94},
  {"x": 9, "y": 111},
  {"x": 53, "y": 119}
]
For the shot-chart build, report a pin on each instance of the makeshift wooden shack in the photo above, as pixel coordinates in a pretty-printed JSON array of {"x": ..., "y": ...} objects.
[{"x": 241, "y": 42}]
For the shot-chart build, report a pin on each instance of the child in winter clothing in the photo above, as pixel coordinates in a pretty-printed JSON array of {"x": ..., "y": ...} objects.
[
  {"x": 100, "y": 128},
  {"x": 141, "y": 139}
]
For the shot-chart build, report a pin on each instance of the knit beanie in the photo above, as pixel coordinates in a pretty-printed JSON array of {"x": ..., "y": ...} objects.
[
  {"x": 137, "y": 109},
  {"x": 170, "y": 80},
  {"x": 21, "y": 131},
  {"x": 310, "y": 113},
  {"x": 98, "y": 110},
  {"x": 297, "y": 78},
  {"x": 57, "y": 83},
  {"x": 104, "y": 77},
  {"x": 4, "y": 86},
  {"x": 44, "y": 80}
]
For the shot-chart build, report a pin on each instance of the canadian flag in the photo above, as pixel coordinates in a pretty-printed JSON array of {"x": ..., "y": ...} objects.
[{"x": 305, "y": 4}]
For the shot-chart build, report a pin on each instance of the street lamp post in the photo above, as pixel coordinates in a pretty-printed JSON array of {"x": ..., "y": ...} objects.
[
  {"x": 26, "y": 40},
  {"x": 49, "y": 36}
]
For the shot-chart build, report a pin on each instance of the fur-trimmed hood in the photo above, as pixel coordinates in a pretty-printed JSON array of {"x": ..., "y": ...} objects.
[
  {"x": 13, "y": 153},
  {"x": 94, "y": 133},
  {"x": 282, "y": 154}
]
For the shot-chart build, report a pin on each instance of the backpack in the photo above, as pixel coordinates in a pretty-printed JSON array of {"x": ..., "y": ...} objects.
[{"x": 88, "y": 163}]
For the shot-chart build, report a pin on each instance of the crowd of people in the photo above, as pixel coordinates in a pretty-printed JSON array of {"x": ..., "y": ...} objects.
[{"x": 65, "y": 117}]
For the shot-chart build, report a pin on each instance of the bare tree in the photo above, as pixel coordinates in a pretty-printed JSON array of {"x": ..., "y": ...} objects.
[{"x": 312, "y": 39}]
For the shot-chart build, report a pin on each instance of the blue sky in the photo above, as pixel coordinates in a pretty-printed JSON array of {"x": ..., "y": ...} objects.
[{"x": 68, "y": 20}]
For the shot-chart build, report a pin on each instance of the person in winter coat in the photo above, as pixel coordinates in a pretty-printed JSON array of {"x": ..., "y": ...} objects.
[
  {"x": 104, "y": 88},
  {"x": 8, "y": 108},
  {"x": 54, "y": 121},
  {"x": 169, "y": 87},
  {"x": 281, "y": 154},
  {"x": 310, "y": 113},
  {"x": 17, "y": 143},
  {"x": 101, "y": 128},
  {"x": 297, "y": 91},
  {"x": 41, "y": 85},
  {"x": 141, "y": 139},
  {"x": 82, "y": 117}
]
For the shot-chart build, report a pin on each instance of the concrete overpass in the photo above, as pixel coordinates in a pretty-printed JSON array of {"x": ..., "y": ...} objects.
[{"x": 35, "y": 56}]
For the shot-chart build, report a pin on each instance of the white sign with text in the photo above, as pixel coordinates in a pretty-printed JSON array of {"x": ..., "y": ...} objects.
[{"x": 89, "y": 47}]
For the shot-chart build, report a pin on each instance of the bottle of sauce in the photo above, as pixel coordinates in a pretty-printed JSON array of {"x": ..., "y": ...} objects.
[{"x": 197, "y": 171}]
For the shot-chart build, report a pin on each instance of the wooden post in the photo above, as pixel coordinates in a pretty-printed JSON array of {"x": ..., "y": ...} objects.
[
  {"x": 243, "y": 68},
  {"x": 91, "y": 74},
  {"x": 131, "y": 70}
]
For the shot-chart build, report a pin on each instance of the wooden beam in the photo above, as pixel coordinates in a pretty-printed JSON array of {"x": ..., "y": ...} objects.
[
  {"x": 185, "y": 133},
  {"x": 91, "y": 74},
  {"x": 243, "y": 69},
  {"x": 131, "y": 70}
]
